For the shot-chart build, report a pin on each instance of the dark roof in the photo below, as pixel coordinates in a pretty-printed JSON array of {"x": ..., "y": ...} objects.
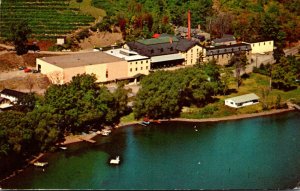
[
  {"x": 13, "y": 93},
  {"x": 184, "y": 45},
  {"x": 227, "y": 38},
  {"x": 159, "y": 40},
  {"x": 217, "y": 50},
  {"x": 161, "y": 46}
]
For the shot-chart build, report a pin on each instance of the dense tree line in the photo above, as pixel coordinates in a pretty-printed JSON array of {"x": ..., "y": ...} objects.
[
  {"x": 248, "y": 20},
  {"x": 283, "y": 74},
  {"x": 164, "y": 93},
  {"x": 78, "y": 106}
]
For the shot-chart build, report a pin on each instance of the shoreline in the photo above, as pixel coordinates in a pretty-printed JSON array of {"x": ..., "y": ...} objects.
[{"x": 80, "y": 138}]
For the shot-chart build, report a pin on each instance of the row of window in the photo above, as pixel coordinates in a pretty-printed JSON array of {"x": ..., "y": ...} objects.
[
  {"x": 137, "y": 62},
  {"x": 136, "y": 69},
  {"x": 264, "y": 43}
]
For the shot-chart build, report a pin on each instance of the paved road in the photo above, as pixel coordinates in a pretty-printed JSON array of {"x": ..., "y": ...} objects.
[{"x": 14, "y": 74}]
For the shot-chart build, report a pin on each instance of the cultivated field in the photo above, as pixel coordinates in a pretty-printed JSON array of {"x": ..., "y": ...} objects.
[{"x": 47, "y": 19}]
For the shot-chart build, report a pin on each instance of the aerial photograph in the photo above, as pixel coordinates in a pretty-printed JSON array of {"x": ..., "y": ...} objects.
[{"x": 150, "y": 94}]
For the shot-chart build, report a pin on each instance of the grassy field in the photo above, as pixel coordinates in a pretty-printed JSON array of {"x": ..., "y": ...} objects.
[
  {"x": 47, "y": 18},
  {"x": 85, "y": 7}
]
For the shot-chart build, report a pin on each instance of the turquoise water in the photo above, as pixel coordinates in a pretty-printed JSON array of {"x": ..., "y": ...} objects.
[{"x": 257, "y": 153}]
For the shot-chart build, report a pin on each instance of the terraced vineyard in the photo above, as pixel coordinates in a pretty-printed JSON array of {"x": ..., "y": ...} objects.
[{"x": 46, "y": 18}]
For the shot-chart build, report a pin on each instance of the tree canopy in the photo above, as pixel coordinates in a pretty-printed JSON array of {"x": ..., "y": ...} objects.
[
  {"x": 164, "y": 93},
  {"x": 75, "y": 107}
]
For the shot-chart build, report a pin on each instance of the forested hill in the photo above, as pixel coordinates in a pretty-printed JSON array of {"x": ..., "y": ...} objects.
[{"x": 248, "y": 20}]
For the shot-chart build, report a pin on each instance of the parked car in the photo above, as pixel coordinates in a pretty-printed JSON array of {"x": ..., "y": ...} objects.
[
  {"x": 26, "y": 70},
  {"x": 22, "y": 67}
]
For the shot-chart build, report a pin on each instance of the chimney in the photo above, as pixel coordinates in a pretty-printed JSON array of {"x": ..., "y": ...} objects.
[
  {"x": 189, "y": 25},
  {"x": 171, "y": 40}
]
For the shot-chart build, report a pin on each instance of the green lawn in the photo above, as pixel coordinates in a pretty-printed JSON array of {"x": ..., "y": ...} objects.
[
  {"x": 86, "y": 7},
  {"x": 254, "y": 84}
]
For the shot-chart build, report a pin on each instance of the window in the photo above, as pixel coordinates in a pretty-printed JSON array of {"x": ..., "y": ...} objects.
[
  {"x": 130, "y": 63},
  {"x": 135, "y": 62},
  {"x": 141, "y": 62},
  {"x": 161, "y": 50},
  {"x": 130, "y": 69},
  {"x": 152, "y": 51},
  {"x": 106, "y": 73},
  {"x": 141, "y": 68},
  {"x": 146, "y": 61},
  {"x": 146, "y": 67},
  {"x": 264, "y": 43},
  {"x": 135, "y": 69}
]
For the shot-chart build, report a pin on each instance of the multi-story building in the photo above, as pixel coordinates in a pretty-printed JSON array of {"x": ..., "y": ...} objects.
[
  {"x": 167, "y": 51},
  {"x": 223, "y": 54}
]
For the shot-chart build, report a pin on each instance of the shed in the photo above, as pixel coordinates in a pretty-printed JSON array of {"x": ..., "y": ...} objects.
[
  {"x": 243, "y": 100},
  {"x": 11, "y": 95}
]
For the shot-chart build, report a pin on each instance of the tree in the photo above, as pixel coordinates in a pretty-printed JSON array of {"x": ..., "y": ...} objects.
[
  {"x": 19, "y": 33},
  {"x": 164, "y": 93},
  {"x": 285, "y": 72},
  {"x": 226, "y": 79},
  {"x": 239, "y": 60}
]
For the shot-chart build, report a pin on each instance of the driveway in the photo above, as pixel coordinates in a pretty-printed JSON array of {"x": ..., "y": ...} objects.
[{"x": 13, "y": 74}]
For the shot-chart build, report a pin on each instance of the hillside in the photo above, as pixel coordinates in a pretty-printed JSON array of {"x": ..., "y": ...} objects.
[
  {"x": 47, "y": 19},
  {"x": 247, "y": 20}
]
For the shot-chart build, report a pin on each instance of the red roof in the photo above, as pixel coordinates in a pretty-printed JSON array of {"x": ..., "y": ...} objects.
[{"x": 156, "y": 35}]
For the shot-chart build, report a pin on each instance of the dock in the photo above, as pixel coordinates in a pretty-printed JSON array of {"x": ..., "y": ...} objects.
[{"x": 296, "y": 106}]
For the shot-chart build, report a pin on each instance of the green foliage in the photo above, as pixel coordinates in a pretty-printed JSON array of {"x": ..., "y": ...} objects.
[
  {"x": 239, "y": 60},
  {"x": 164, "y": 93},
  {"x": 73, "y": 107},
  {"x": 11, "y": 133},
  {"x": 47, "y": 19},
  {"x": 19, "y": 33},
  {"x": 284, "y": 73},
  {"x": 263, "y": 69}
]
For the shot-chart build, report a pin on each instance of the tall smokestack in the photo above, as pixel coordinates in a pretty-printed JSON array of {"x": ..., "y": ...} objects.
[{"x": 189, "y": 25}]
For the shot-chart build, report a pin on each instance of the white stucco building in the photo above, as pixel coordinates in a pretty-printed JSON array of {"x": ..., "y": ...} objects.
[
  {"x": 243, "y": 100},
  {"x": 262, "y": 47}
]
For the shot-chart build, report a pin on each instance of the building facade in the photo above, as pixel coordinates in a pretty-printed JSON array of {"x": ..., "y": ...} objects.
[
  {"x": 262, "y": 47},
  {"x": 61, "y": 69},
  {"x": 242, "y": 101}
]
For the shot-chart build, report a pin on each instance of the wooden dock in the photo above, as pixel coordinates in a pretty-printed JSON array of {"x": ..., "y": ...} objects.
[{"x": 296, "y": 106}]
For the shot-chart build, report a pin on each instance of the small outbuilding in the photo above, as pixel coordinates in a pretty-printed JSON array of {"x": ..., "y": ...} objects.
[{"x": 243, "y": 100}]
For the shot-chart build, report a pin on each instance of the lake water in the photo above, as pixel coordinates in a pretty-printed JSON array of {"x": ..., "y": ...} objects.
[{"x": 256, "y": 153}]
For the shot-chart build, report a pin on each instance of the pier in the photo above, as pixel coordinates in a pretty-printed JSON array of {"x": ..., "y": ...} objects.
[{"x": 296, "y": 106}]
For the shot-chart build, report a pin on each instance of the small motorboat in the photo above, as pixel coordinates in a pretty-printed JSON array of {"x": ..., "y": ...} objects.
[
  {"x": 63, "y": 148},
  {"x": 40, "y": 164},
  {"x": 115, "y": 161}
]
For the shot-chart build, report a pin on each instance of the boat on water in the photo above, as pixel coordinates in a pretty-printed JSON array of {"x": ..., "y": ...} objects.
[
  {"x": 40, "y": 164},
  {"x": 145, "y": 123},
  {"x": 63, "y": 148},
  {"x": 115, "y": 161},
  {"x": 104, "y": 133}
]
